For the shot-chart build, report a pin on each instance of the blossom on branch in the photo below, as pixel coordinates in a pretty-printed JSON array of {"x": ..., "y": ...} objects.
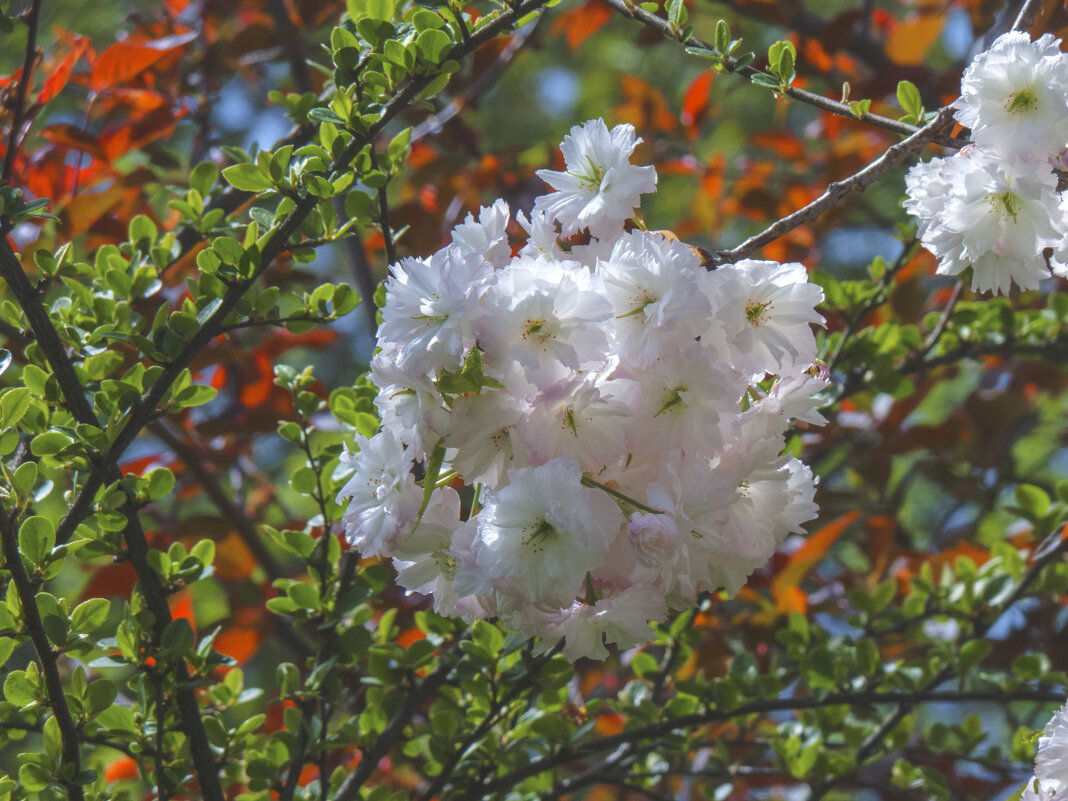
[{"x": 613, "y": 415}]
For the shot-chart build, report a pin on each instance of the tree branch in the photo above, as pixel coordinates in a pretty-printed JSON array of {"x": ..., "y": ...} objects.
[
  {"x": 393, "y": 733},
  {"x": 45, "y": 333},
  {"x": 661, "y": 25},
  {"x": 45, "y": 654},
  {"x": 867, "y": 698},
  {"x": 838, "y": 190},
  {"x": 24, "y": 87}
]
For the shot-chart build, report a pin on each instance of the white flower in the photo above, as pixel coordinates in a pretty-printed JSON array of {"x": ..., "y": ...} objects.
[
  {"x": 600, "y": 187},
  {"x": 541, "y": 243},
  {"x": 997, "y": 219},
  {"x": 424, "y": 561},
  {"x": 487, "y": 237},
  {"x": 683, "y": 397},
  {"x": 767, "y": 310},
  {"x": 483, "y": 432},
  {"x": 654, "y": 286},
  {"x": 792, "y": 398},
  {"x": 621, "y": 620},
  {"x": 1041, "y": 794},
  {"x": 544, "y": 532},
  {"x": 1014, "y": 97},
  {"x": 581, "y": 418},
  {"x": 383, "y": 497},
  {"x": 409, "y": 406},
  {"x": 431, "y": 309},
  {"x": 927, "y": 187},
  {"x": 545, "y": 317},
  {"x": 679, "y": 557},
  {"x": 1051, "y": 762}
]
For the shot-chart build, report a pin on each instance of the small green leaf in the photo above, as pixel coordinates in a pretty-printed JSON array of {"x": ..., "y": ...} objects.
[
  {"x": 247, "y": 178},
  {"x": 37, "y": 537},
  {"x": 14, "y": 405},
  {"x": 908, "y": 97},
  {"x": 89, "y": 615}
]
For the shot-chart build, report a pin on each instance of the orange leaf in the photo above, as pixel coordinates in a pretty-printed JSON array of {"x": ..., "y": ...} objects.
[
  {"x": 910, "y": 40},
  {"x": 786, "y": 584},
  {"x": 695, "y": 101},
  {"x": 75, "y": 138},
  {"x": 121, "y": 139},
  {"x": 124, "y": 60},
  {"x": 60, "y": 74},
  {"x": 581, "y": 23},
  {"x": 123, "y": 768}
]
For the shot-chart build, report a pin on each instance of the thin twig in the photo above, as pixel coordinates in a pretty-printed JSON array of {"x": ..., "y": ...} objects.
[
  {"x": 838, "y": 190},
  {"x": 24, "y": 87},
  {"x": 660, "y": 24},
  {"x": 764, "y": 706}
]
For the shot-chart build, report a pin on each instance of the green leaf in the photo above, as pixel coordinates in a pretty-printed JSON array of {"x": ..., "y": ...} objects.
[
  {"x": 433, "y": 470},
  {"x": 247, "y": 178},
  {"x": 908, "y": 97},
  {"x": 204, "y": 177},
  {"x": 14, "y": 405},
  {"x": 37, "y": 537},
  {"x": 195, "y": 395},
  {"x": 89, "y": 615},
  {"x": 1032, "y": 500},
  {"x": 432, "y": 45},
  {"x": 33, "y": 777},
  {"x": 971, "y": 654},
  {"x": 178, "y": 636},
  {"x": 142, "y": 230},
  {"x": 160, "y": 483},
  {"x": 378, "y": 9}
]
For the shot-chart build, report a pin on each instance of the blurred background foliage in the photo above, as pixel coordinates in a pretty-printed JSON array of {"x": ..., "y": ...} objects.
[{"x": 921, "y": 463}]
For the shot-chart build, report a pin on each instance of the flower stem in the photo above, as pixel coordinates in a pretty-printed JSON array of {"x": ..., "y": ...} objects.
[{"x": 592, "y": 483}]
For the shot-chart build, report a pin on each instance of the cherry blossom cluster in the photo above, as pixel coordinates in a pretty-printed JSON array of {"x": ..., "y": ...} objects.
[
  {"x": 1050, "y": 782},
  {"x": 995, "y": 205},
  {"x": 613, "y": 414}
]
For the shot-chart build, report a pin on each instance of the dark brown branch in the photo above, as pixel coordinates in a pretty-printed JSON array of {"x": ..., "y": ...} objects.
[
  {"x": 393, "y": 733},
  {"x": 24, "y": 87},
  {"x": 661, "y": 25},
  {"x": 838, "y": 190},
  {"x": 44, "y": 332},
  {"x": 189, "y": 712},
  {"x": 45, "y": 654}
]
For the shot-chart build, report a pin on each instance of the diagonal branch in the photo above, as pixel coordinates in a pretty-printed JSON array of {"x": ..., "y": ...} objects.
[
  {"x": 628, "y": 9},
  {"x": 24, "y": 87},
  {"x": 29, "y": 300},
  {"x": 45, "y": 654},
  {"x": 764, "y": 706},
  {"x": 838, "y": 190}
]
